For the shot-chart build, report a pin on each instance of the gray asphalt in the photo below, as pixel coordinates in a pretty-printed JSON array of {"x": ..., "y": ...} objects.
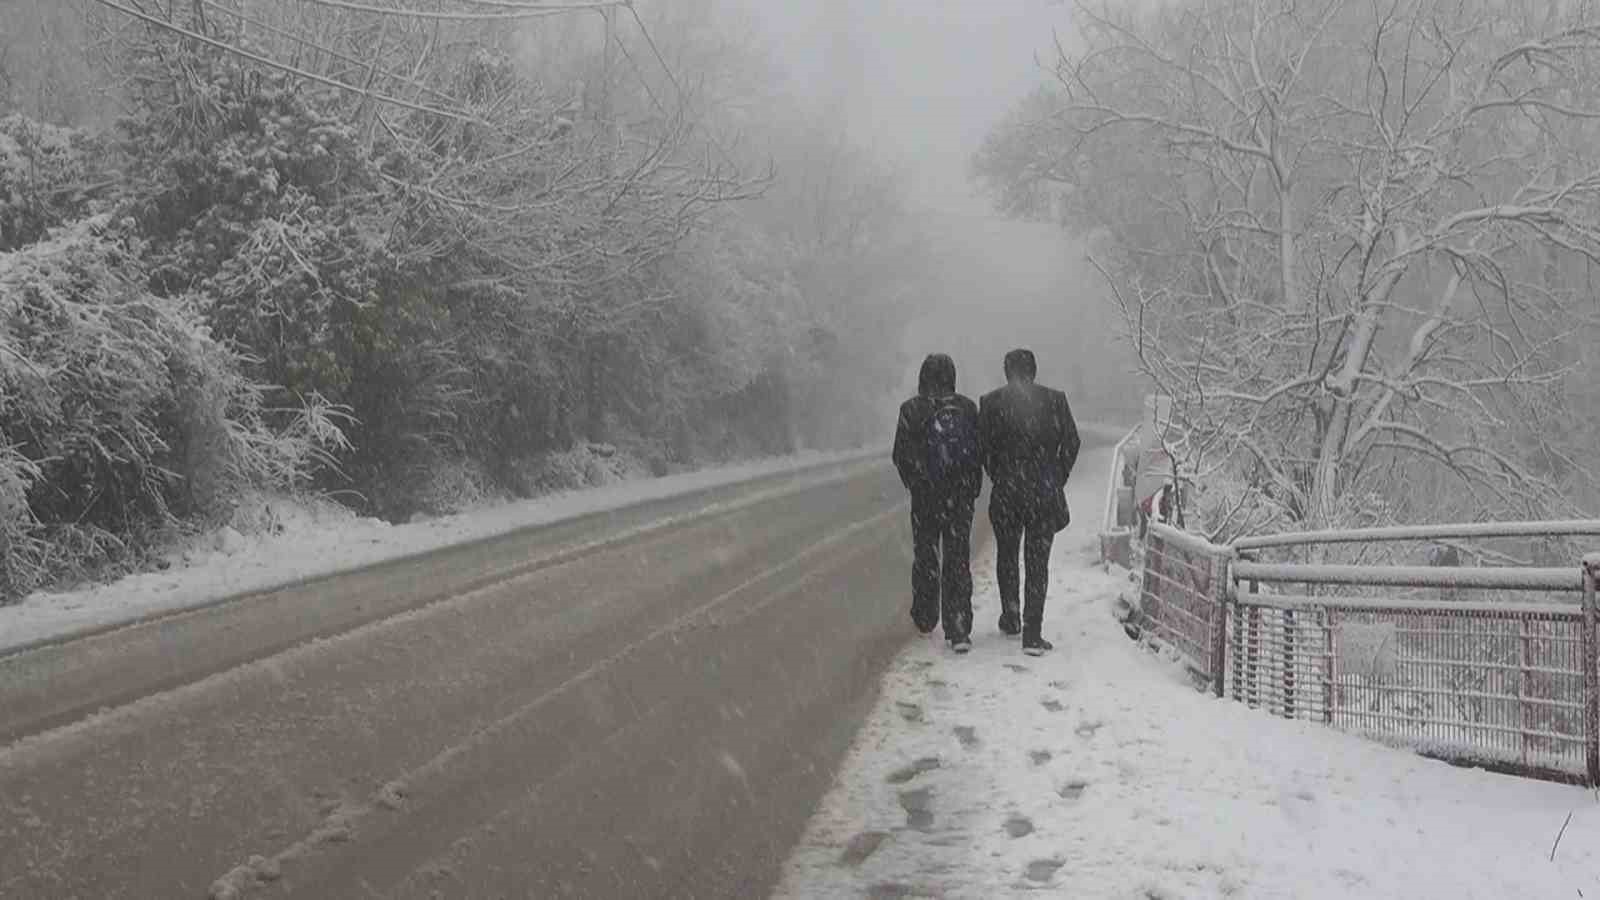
[
  {"x": 642, "y": 703},
  {"x": 647, "y": 703}
]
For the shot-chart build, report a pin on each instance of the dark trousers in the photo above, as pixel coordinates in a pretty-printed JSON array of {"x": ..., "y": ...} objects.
[
  {"x": 1022, "y": 525},
  {"x": 941, "y": 567}
]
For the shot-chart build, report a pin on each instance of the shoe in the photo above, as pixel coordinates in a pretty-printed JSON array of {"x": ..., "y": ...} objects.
[
  {"x": 923, "y": 626},
  {"x": 961, "y": 645},
  {"x": 1010, "y": 623},
  {"x": 1036, "y": 646}
]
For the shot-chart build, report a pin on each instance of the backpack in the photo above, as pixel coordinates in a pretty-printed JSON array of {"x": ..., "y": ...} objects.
[{"x": 952, "y": 442}]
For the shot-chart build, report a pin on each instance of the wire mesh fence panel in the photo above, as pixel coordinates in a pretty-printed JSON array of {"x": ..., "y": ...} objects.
[
  {"x": 1278, "y": 659},
  {"x": 1498, "y": 684},
  {"x": 1180, "y": 602}
]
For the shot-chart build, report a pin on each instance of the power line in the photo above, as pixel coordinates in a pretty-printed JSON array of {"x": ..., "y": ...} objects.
[
  {"x": 527, "y": 11},
  {"x": 559, "y": 7},
  {"x": 313, "y": 45},
  {"x": 656, "y": 50},
  {"x": 284, "y": 67}
]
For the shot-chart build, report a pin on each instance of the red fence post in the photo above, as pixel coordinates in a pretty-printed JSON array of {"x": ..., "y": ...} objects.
[
  {"x": 1591, "y": 674},
  {"x": 1252, "y": 650},
  {"x": 1221, "y": 591},
  {"x": 1149, "y": 591},
  {"x": 1288, "y": 619},
  {"x": 1327, "y": 665}
]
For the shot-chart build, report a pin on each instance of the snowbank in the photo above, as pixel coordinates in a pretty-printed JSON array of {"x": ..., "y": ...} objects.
[
  {"x": 308, "y": 539},
  {"x": 1100, "y": 772}
]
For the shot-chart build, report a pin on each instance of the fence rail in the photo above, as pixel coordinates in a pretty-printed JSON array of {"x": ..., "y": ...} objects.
[
  {"x": 1494, "y": 684},
  {"x": 1183, "y": 576},
  {"x": 1512, "y": 684},
  {"x": 1116, "y": 531},
  {"x": 1461, "y": 531}
]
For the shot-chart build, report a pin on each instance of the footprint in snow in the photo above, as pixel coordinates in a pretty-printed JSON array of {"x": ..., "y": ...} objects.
[
  {"x": 1039, "y": 757},
  {"x": 1042, "y": 870},
  {"x": 1052, "y": 705},
  {"x": 1059, "y": 685},
  {"x": 1073, "y": 790},
  {"x": 1016, "y": 668},
  {"x": 968, "y": 736},
  {"x": 893, "y": 890},
  {"x": 918, "y": 805},
  {"x": 861, "y": 847},
  {"x": 908, "y": 773},
  {"x": 911, "y": 712},
  {"x": 1019, "y": 826},
  {"x": 1087, "y": 729}
]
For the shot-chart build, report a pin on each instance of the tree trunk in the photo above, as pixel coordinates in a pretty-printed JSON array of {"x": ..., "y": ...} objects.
[
  {"x": 1286, "y": 249},
  {"x": 1325, "y": 477}
]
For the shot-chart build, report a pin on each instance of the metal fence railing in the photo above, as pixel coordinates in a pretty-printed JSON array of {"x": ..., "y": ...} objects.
[
  {"x": 1118, "y": 516},
  {"x": 1510, "y": 682},
  {"x": 1184, "y": 575},
  {"x": 1489, "y": 683}
]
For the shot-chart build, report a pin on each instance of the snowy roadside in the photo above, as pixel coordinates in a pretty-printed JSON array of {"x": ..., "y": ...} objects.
[
  {"x": 322, "y": 539},
  {"x": 1098, "y": 771}
]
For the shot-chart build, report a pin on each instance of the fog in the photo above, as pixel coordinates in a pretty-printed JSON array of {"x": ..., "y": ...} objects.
[{"x": 920, "y": 83}]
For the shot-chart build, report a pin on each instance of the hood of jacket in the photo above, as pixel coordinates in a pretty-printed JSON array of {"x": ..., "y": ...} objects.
[{"x": 938, "y": 376}]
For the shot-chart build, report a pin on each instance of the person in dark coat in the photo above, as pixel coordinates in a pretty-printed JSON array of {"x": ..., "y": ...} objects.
[
  {"x": 1030, "y": 444},
  {"x": 937, "y": 454}
]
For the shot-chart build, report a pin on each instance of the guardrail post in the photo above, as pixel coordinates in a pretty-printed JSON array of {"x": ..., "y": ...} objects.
[
  {"x": 1252, "y": 651},
  {"x": 1287, "y": 618},
  {"x": 1149, "y": 589},
  {"x": 1222, "y": 591},
  {"x": 1327, "y": 665},
  {"x": 1525, "y": 688},
  {"x": 1591, "y": 671},
  {"x": 1238, "y": 643}
]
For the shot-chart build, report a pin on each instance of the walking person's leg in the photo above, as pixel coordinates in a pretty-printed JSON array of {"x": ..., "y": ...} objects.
[
  {"x": 1036, "y": 558},
  {"x": 1008, "y": 544},
  {"x": 957, "y": 575},
  {"x": 925, "y": 538}
]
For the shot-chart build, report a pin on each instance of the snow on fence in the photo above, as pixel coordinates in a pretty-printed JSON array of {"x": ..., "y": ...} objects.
[{"x": 1511, "y": 682}]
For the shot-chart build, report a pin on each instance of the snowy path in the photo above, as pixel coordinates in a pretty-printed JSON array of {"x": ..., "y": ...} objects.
[{"x": 1099, "y": 771}]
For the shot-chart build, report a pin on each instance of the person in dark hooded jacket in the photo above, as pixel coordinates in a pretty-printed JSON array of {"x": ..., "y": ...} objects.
[
  {"x": 937, "y": 454},
  {"x": 1030, "y": 444}
]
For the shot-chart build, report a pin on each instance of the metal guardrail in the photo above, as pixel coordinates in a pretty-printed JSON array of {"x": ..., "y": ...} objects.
[
  {"x": 1472, "y": 530},
  {"x": 1110, "y": 520},
  {"x": 1116, "y": 539},
  {"x": 1178, "y": 604},
  {"x": 1493, "y": 684},
  {"x": 1508, "y": 683},
  {"x": 1482, "y": 578}
]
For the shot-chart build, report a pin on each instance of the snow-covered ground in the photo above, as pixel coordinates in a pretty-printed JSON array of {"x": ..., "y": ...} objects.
[
  {"x": 315, "y": 539},
  {"x": 1100, "y": 772}
]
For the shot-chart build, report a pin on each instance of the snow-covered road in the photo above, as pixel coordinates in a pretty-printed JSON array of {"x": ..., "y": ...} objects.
[
  {"x": 1100, "y": 772},
  {"x": 640, "y": 704}
]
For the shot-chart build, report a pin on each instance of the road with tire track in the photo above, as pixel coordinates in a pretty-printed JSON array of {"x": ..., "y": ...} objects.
[{"x": 641, "y": 703}]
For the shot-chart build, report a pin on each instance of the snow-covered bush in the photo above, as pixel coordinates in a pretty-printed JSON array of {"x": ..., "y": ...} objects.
[
  {"x": 118, "y": 411},
  {"x": 450, "y": 485},
  {"x": 43, "y": 168}
]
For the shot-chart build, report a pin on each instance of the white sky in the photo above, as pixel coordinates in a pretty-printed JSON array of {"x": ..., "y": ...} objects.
[{"x": 919, "y": 81}]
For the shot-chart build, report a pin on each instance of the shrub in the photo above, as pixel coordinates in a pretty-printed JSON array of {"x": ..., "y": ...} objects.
[
  {"x": 118, "y": 411},
  {"x": 42, "y": 172}
]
